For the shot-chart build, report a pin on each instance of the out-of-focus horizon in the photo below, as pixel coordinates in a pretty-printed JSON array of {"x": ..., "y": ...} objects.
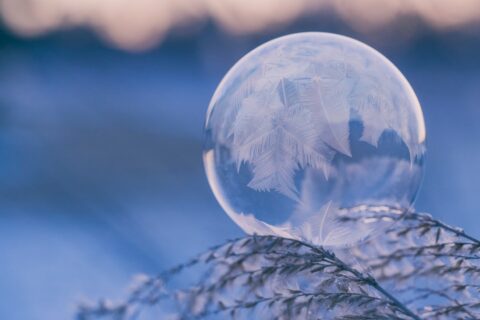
[
  {"x": 145, "y": 23},
  {"x": 102, "y": 106}
]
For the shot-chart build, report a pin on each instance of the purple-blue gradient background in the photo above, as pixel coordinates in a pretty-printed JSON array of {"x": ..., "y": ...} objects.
[{"x": 101, "y": 175}]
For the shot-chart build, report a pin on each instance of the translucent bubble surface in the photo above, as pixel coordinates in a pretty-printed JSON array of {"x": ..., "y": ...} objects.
[{"x": 316, "y": 137}]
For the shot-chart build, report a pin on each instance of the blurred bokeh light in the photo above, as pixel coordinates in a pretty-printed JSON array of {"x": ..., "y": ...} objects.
[{"x": 141, "y": 24}]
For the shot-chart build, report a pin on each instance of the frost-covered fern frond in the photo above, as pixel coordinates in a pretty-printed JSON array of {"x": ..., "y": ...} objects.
[
  {"x": 419, "y": 269},
  {"x": 278, "y": 147}
]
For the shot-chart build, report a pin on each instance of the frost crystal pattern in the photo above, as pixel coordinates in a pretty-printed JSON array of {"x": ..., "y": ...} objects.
[{"x": 311, "y": 136}]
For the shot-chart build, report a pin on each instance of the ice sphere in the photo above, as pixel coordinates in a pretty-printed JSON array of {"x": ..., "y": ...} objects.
[{"x": 314, "y": 136}]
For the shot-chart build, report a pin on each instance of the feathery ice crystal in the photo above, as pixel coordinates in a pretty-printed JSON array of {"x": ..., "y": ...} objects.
[{"x": 310, "y": 130}]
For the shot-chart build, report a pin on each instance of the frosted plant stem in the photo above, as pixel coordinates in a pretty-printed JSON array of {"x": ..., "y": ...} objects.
[
  {"x": 408, "y": 214},
  {"x": 458, "y": 232},
  {"x": 369, "y": 280},
  {"x": 372, "y": 282}
]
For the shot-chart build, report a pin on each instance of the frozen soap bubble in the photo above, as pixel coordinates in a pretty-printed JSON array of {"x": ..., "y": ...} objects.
[{"x": 316, "y": 137}]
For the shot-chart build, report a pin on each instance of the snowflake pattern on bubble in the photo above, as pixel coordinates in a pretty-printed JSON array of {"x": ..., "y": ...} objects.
[{"x": 314, "y": 136}]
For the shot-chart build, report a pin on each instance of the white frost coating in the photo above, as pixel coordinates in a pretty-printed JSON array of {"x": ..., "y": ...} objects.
[
  {"x": 291, "y": 106},
  {"x": 324, "y": 229}
]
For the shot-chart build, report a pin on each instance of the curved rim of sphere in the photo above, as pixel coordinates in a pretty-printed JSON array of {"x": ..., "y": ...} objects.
[{"x": 414, "y": 105}]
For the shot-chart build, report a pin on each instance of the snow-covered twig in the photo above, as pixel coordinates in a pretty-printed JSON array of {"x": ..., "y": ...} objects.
[{"x": 419, "y": 269}]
